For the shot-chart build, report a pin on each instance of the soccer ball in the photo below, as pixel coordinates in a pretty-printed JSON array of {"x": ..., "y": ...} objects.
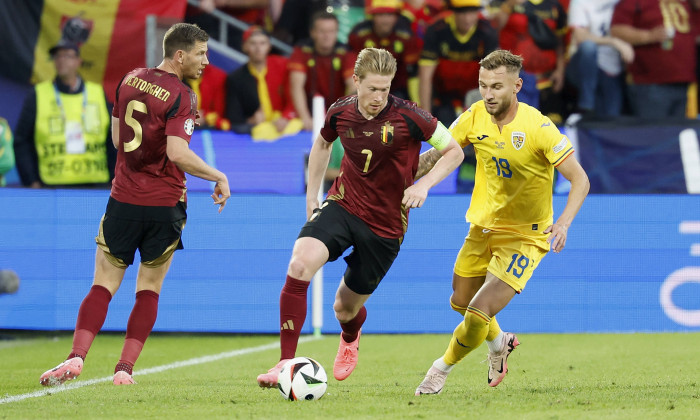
[{"x": 302, "y": 378}]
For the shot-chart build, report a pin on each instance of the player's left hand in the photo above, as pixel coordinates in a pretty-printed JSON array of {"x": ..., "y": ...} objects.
[
  {"x": 414, "y": 196},
  {"x": 222, "y": 192},
  {"x": 557, "y": 236}
]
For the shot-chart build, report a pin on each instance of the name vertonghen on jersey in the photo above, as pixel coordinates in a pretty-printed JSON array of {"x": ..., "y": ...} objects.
[{"x": 150, "y": 88}]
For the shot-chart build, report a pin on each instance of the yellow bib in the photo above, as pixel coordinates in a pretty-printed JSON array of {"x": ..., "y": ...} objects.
[{"x": 70, "y": 135}]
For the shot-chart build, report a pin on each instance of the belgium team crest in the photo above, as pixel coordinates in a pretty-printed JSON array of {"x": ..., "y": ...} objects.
[
  {"x": 387, "y": 134},
  {"x": 518, "y": 139}
]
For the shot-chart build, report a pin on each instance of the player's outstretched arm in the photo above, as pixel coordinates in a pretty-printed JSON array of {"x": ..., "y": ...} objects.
[
  {"x": 319, "y": 157},
  {"x": 179, "y": 152},
  {"x": 451, "y": 158},
  {"x": 442, "y": 137},
  {"x": 580, "y": 185},
  {"x": 427, "y": 160}
]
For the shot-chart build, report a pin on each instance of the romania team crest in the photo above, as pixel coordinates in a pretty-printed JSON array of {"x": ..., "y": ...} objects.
[
  {"x": 518, "y": 139},
  {"x": 387, "y": 134}
]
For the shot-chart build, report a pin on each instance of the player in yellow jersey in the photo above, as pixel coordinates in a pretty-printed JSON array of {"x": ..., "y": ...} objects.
[{"x": 517, "y": 149}]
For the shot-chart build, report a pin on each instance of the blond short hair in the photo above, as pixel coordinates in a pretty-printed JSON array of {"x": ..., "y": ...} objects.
[
  {"x": 502, "y": 58},
  {"x": 376, "y": 61}
]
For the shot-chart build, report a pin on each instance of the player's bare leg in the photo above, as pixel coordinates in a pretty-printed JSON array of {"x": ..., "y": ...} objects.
[{"x": 308, "y": 256}]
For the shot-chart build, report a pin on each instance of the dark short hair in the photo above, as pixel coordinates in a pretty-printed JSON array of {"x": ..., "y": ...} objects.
[
  {"x": 64, "y": 45},
  {"x": 322, "y": 15},
  {"x": 182, "y": 36}
]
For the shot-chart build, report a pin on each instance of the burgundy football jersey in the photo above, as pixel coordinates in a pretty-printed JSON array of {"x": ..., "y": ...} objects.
[
  {"x": 380, "y": 161},
  {"x": 151, "y": 105}
]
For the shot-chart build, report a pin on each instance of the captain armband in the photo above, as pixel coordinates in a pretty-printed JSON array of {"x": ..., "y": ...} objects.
[{"x": 441, "y": 137}]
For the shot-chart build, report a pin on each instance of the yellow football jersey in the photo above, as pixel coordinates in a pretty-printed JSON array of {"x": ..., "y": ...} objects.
[{"x": 514, "y": 168}]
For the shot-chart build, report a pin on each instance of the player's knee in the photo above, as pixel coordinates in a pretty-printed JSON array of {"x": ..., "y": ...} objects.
[
  {"x": 298, "y": 269},
  {"x": 344, "y": 316},
  {"x": 459, "y": 302},
  {"x": 458, "y": 307}
]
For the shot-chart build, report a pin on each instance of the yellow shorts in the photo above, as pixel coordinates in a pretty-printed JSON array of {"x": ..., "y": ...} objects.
[{"x": 510, "y": 257}]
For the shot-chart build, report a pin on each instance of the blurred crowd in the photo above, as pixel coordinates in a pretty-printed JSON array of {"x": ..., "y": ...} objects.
[
  {"x": 596, "y": 58},
  {"x": 603, "y": 58}
]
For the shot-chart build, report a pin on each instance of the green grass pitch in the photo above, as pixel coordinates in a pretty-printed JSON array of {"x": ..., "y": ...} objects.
[{"x": 552, "y": 376}]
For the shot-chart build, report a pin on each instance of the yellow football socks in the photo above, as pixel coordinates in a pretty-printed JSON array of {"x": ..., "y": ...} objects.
[
  {"x": 468, "y": 335},
  {"x": 494, "y": 328}
]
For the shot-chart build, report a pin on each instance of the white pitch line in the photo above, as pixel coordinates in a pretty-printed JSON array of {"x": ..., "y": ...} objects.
[
  {"x": 20, "y": 343},
  {"x": 156, "y": 369}
]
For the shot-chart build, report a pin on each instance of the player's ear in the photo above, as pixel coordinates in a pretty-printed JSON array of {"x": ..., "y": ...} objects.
[{"x": 518, "y": 85}]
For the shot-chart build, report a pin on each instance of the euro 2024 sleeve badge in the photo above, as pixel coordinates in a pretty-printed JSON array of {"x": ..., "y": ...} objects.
[{"x": 189, "y": 126}]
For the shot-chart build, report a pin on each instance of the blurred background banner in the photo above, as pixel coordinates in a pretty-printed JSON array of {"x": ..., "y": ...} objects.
[
  {"x": 631, "y": 263},
  {"x": 111, "y": 35},
  {"x": 635, "y": 156}
]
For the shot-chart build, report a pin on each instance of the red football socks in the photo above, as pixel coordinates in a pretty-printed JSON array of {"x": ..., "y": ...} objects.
[
  {"x": 141, "y": 321},
  {"x": 91, "y": 317},
  {"x": 292, "y": 315},
  {"x": 351, "y": 328}
]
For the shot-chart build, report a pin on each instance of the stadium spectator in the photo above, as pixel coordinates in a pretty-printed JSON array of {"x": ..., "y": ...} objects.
[
  {"x": 422, "y": 13},
  {"x": 7, "y": 154},
  {"x": 449, "y": 64},
  {"x": 596, "y": 65},
  {"x": 388, "y": 29},
  {"x": 535, "y": 30},
  {"x": 367, "y": 206},
  {"x": 664, "y": 54},
  {"x": 295, "y": 20},
  {"x": 319, "y": 66},
  {"x": 210, "y": 89},
  {"x": 152, "y": 123},
  {"x": 62, "y": 137},
  {"x": 256, "y": 93},
  {"x": 510, "y": 212}
]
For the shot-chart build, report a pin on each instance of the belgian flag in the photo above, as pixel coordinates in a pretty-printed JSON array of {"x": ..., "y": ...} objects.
[{"x": 111, "y": 34}]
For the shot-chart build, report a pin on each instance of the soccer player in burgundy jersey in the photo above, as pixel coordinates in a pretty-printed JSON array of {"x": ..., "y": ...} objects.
[
  {"x": 367, "y": 206},
  {"x": 152, "y": 123}
]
